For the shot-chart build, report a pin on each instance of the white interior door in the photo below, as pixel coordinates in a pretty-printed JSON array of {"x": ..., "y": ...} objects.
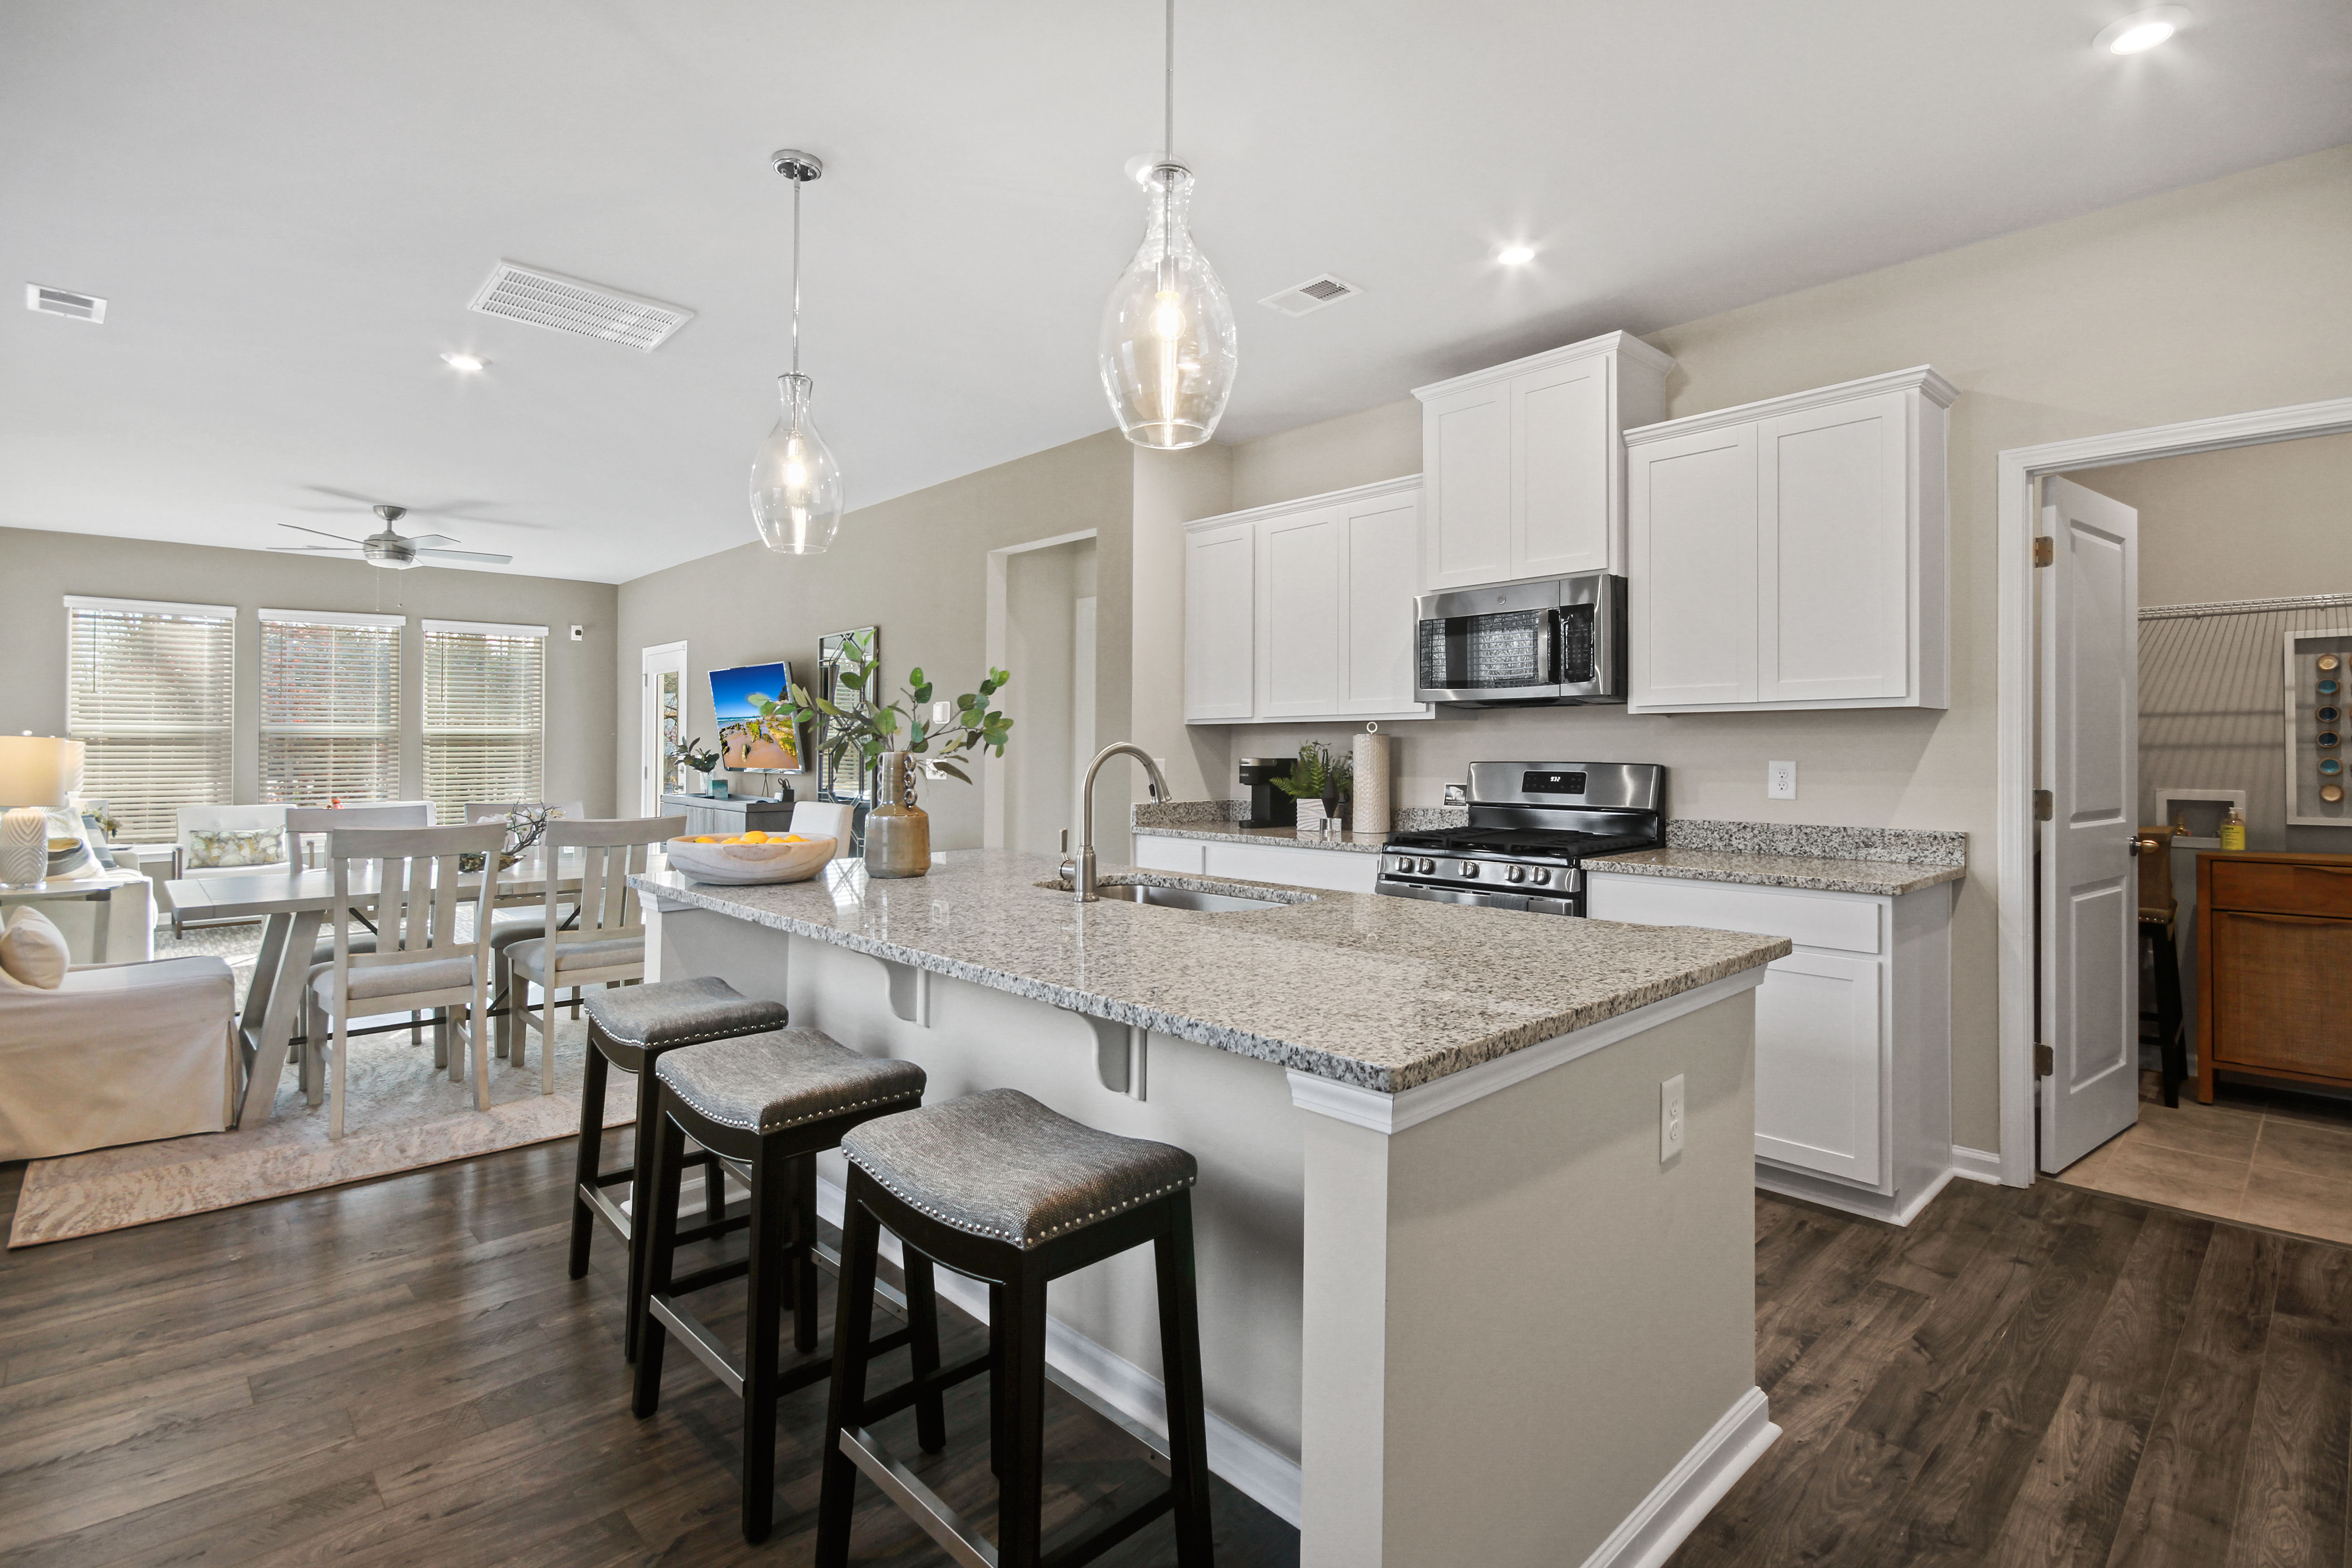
[
  {"x": 661, "y": 724},
  {"x": 2090, "y": 765}
]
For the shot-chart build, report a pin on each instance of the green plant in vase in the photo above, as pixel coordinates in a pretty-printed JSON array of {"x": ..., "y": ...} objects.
[
  {"x": 1321, "y": 776},
  {"x": 701, "y": 762},
  {"x": 886, "y": 738}
]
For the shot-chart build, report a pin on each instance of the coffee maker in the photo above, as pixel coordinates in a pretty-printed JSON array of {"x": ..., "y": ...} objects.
[{"x": 1269, "y": 806}]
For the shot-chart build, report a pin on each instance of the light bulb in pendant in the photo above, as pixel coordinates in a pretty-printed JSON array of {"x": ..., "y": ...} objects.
[
  {"x": 795, "y": 483},
  {"x": 1168, "y": 349}
]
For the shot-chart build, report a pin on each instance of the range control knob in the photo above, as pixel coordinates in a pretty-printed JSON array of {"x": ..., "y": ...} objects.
[
  {"x": 1427, "y": 866},
  {"x": 1466, "y": 868},
  {"x": 1542, "y": 878},
  {"x": 1516, "y": 874}
]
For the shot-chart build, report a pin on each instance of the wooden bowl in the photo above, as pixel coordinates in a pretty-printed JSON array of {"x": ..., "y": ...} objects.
[{"x": 739, "y": 865}]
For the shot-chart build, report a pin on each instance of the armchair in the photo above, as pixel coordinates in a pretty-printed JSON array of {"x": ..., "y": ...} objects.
[{"x": 117, "y": 1054}]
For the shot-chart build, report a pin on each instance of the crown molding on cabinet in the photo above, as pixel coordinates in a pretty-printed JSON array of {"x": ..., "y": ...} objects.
[
  {"x": 1920, "y": 378},
  {"x": 1624, "y": 345},
  {"x": 1373, "y": 492}
]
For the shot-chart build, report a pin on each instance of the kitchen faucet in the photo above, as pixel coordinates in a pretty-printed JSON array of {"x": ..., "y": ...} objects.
[{"x": 1080, "y": 873}]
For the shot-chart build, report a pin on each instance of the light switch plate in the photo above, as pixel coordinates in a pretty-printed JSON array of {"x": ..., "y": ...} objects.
[
  {"x": 943, "y": 711},
  {"x": 1670, "y": 1118},
  {"x": 1781, "y": 781},
  {"x": 579, "y": 634}
]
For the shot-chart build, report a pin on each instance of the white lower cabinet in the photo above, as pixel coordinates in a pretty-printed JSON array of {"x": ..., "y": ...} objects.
[
  {"x": 1340, "y": 870},
  {"x": 1853, "y": 1032}
]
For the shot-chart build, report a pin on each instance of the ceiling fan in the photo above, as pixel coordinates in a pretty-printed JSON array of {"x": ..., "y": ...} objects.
[{"x": 391, "y": 549}]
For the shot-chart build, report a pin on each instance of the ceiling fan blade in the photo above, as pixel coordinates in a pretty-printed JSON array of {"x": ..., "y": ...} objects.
[
  {"x": 319, "y": 549},
  {"x": 322, "y": 533},
  {"x": 466, "y": 556},
  {"x": 431, "y": 541}
]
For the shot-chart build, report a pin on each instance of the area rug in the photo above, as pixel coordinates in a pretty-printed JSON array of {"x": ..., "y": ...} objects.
[{"x": 401, "y": 1114}]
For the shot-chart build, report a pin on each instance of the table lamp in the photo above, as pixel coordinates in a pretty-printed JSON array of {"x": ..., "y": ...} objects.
[{"x": 38, "y": 774}]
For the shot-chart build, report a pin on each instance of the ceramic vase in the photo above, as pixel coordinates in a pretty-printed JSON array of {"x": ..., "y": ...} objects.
[{"x": 898, "y": 831}]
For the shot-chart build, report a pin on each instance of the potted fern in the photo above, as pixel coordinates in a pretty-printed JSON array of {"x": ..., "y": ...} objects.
[{"x": 1321, "y": 776}]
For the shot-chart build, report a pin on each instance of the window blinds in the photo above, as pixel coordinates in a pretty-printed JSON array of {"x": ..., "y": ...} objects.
[
  {"x": 330, "y": 707},
  {"x": 484, "y": 691},
  {"x": 151, "y": 690}
]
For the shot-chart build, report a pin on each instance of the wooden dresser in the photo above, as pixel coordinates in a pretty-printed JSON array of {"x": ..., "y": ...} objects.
[{"x": 2274, "y": 967}]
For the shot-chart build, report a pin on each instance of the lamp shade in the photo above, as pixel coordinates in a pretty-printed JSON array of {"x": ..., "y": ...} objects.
[{"x": 39, "y": 769}]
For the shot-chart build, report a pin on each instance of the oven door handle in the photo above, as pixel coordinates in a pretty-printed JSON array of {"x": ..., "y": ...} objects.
[{"x": 1548, "y": 643}]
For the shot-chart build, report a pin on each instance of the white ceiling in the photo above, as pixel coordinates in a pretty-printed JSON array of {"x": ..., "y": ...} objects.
[{"x": 288, "y": 206}]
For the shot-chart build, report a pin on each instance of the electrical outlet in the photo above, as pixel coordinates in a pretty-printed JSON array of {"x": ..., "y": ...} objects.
[
  {"x": 1670, "y": 1118},
  {"x": 1781, "y": 781}
]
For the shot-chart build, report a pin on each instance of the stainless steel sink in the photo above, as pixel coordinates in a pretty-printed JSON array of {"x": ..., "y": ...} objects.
[{"x": 1180, "y": 897}]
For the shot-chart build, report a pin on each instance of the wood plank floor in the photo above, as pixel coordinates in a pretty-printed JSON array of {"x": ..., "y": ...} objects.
[{"x": 400, "y": 1372}]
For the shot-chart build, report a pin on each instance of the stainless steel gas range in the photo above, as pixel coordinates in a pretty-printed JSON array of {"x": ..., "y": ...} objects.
[{"x": 1531, "y": 826}]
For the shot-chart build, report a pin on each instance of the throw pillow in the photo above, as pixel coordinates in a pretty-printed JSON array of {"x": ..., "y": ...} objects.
[
  {"x": 215, "y": 847},
  {"x": 33, "y": 949}
]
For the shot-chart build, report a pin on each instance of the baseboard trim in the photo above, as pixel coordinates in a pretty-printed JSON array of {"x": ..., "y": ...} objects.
[
  {"x": 1850, "y": 1200},
  {"x": 1649, "y": 1535},
  {"x": 1976, "y": 1165},
  {"x": 1258, "y": 1471}
]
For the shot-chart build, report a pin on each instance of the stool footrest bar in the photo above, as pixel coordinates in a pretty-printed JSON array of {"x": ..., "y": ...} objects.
[
  {"x": 699, "y": 1339},
  {"x": 924, "y": 1506},
  {"x": 906, "y": 1394},
  {"x": 605, "y": 1209},
  {"x": 703, "y": 1279}
]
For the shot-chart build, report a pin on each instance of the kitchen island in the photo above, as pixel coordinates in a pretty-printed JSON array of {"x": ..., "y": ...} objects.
[{"x": 1459, "y": 1302}]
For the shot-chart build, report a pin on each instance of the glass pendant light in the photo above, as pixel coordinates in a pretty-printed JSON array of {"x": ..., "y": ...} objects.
[
  {"x": 795, "y": 483},
  {"x": 1168, "y": 351}
]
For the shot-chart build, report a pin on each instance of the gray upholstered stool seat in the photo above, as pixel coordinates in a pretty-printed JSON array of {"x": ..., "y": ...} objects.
[
  {"x": 783, "y": 1078},
  {"x": 1001, "y": 1165},
  {"x": 681, "y": 1012}
]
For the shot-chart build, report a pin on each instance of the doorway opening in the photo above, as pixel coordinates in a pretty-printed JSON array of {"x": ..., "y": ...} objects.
[
  {"x": 1040, "y": 626},
  {"x": 661, "y": 725},
  {"x": 2117, "y": 685}
]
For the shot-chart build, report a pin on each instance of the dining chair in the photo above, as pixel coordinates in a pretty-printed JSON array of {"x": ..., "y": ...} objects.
[
  {"x": 496, "y": 810},
  {"x": 825, "y": 820},
  {"x": 307, "y": 826},
  {"x": 606, "y": 945},
  {"x": 418, "y": 960}
]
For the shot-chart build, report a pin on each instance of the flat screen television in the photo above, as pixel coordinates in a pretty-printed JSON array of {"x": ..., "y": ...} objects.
[{"x": 746, "y": 744}]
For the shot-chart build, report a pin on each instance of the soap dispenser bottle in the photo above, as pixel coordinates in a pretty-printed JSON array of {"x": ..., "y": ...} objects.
[{"x": 2233, "y": 831}]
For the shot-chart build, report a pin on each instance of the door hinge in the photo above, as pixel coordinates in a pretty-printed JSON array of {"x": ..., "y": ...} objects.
[
  {"x": 2046, "y": 550},
  {"x": 2045, "y": 805},
  {"x": 2045, "y": 1060}
]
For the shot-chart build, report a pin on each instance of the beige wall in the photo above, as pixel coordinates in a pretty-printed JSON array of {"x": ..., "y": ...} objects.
[
  {"x": 2224, "y": 297},
  {"x": 918, "y": 568},
  {"x": 2253, "y": 522},
  {"x": 39, "y": 568}
]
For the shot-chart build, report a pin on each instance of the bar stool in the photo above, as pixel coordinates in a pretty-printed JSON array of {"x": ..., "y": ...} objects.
[
  {"x": 630, "y": 1029},
  {"x": 998, "y": 1187},
  {"x": 768, "y": 1104}
]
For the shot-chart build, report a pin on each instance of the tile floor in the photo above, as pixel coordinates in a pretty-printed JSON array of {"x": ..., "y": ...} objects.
[{"x": 2266, "y": 1157}]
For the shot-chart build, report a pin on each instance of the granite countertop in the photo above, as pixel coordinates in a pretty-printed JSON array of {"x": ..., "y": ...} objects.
[
  {"x": 1821, "y": 873},
  {"x": 1385, "y": 994}
]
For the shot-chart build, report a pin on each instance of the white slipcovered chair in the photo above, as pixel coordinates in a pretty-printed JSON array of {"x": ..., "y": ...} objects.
[{"x": 118, "y": 1053}]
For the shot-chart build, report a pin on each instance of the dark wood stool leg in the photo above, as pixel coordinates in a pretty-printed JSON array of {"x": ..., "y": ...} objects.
[
  {"x": 771, "y": 1234},
  {"x": 655, "y": 1224},
  {"x": 803, "y": 1258},
  {"x": 999, "y": 1440},
  {"x": 852, "y": 1327},
  {"x": 1180, "y": 1359},
  {"x": 923, "y": 1323},
  {"x": 714, "y": 1190},
  {"x": 591, "y": 1155},
  {"x": 641, "y": 1199},
  {"x": 2169, "y": 1022},
  {"x": 1021, "y": 1491}
]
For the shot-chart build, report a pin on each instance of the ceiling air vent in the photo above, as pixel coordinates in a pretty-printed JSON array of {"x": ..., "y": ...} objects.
[
  {"x": 568, "y": 305},
  {"x": 64, "y": 302},
  {"x": 1312, "y": 295}
]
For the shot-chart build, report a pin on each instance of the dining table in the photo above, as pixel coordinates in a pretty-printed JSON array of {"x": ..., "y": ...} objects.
[{"x": 293, "y": 904}]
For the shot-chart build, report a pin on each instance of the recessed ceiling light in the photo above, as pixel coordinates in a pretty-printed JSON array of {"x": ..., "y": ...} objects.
[
  {"x": 469, "y": 363},
  {"x": 2141, "y": 30},
  {"x": 1516, "y": 255}
]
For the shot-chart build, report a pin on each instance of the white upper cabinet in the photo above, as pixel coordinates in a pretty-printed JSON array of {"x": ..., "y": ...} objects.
[
  {"x": 1304, "y": 610},
  {"x": 1526, "y": 464},
  {"x": 1220, "y": 623},
  {"x": 1791, "y": 553}
]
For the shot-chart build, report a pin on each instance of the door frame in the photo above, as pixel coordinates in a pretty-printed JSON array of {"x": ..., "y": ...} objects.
[
  {"x": 2017, "y": 520},
  {"x": 992, "y": 768},
  {"x": 646, "y": 726}
]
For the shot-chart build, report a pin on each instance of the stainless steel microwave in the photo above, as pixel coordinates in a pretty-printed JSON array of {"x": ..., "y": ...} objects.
[{"x": 1522, "y": 645}]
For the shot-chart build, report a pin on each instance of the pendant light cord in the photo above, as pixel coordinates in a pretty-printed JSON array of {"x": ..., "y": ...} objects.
[
  {"x": 796, "y": 270},
  {"x": 1168, "y": 155},
  {"x": 1168, "y": 125}
]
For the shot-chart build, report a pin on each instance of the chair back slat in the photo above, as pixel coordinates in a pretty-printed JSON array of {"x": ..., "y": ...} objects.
[
  {"x": 418, "y": 890},
  {"x": 610, "y": 849}
]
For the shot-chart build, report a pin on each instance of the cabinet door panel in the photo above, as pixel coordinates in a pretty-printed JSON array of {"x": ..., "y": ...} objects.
[
  {"x": 1466, "y": 448},
  {"x": 1832, "y": 554},
  {"x": 1220, "y": 622},
  {"x": 1818, "y": 1066},
  {"x": 1560, "y": 435},
  {"x": 1378, "y": 541},
  {"x": 1340, "y": 870},
  {"x": 1298, "y": 615},
  {"x": 1153, "y": 853},
  {"x": 1692, "y": 565},
  {"x": 2278, "y": 993}
]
